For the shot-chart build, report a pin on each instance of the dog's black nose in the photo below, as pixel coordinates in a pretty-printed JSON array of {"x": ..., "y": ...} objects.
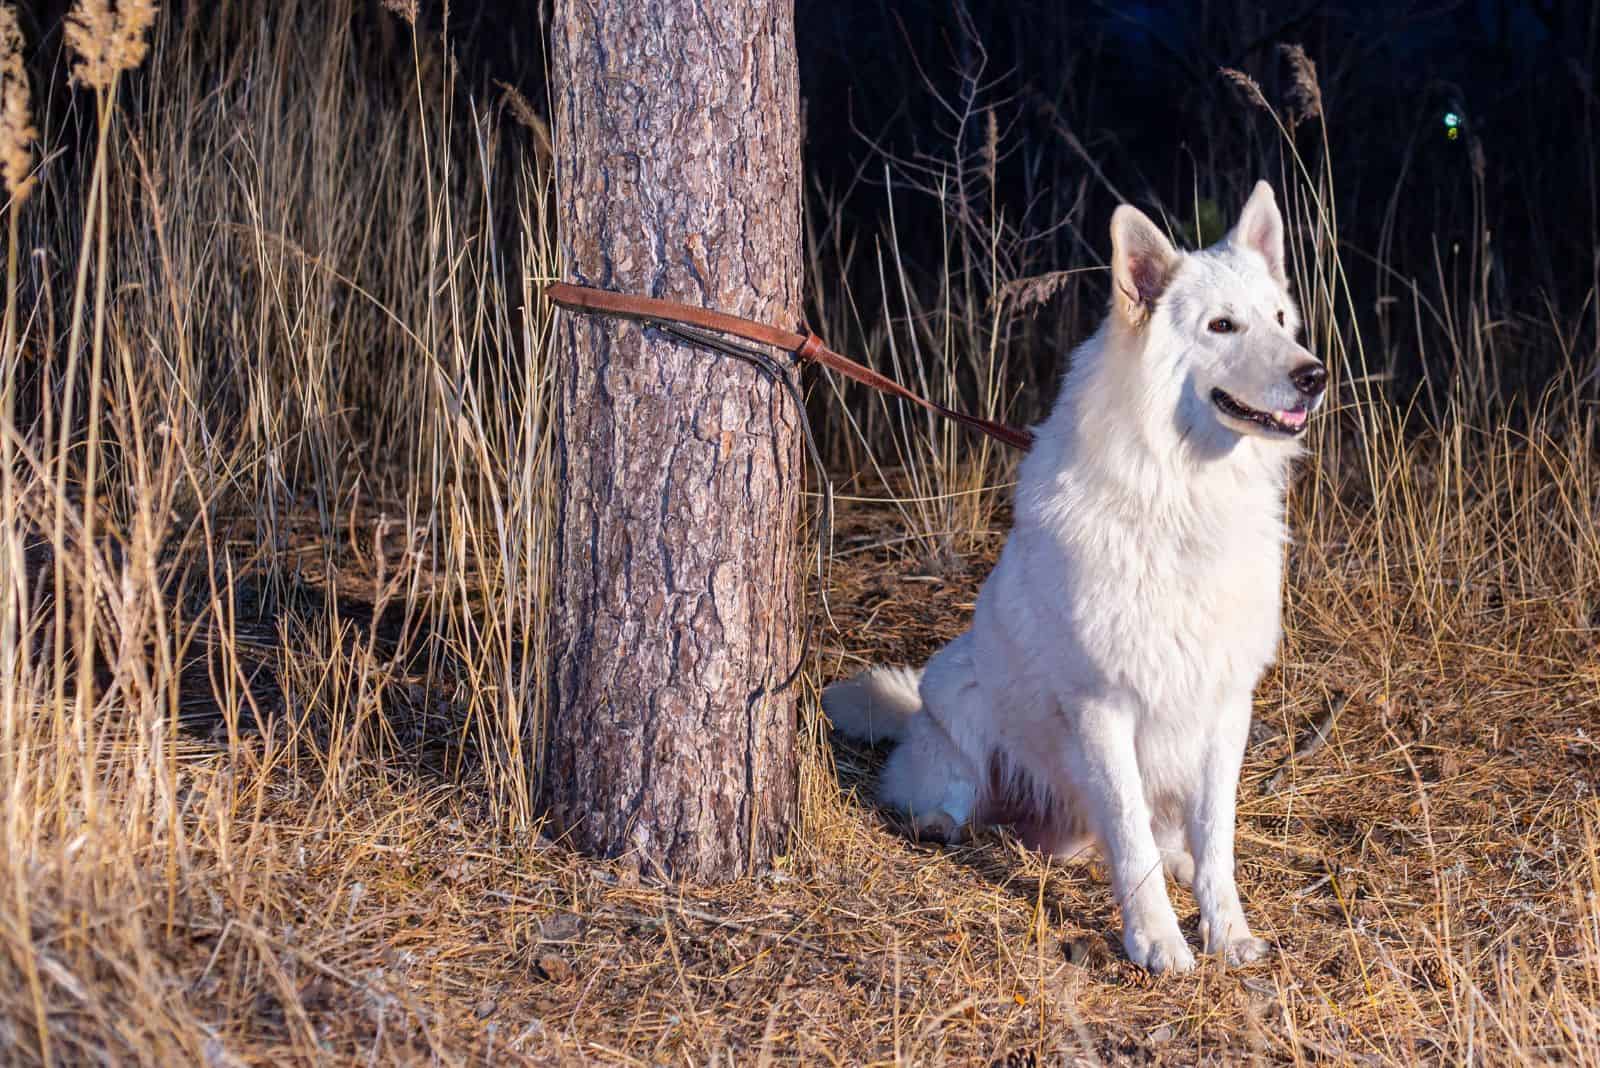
[{"x": 1310, "y": 379}]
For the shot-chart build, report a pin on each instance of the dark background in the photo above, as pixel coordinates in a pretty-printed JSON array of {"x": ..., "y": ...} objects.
[
  {"x": 1138, "y": 87},
  {"x": 1099, "y": 102}
]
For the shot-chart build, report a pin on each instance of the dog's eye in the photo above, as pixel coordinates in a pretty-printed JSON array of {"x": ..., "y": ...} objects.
[
  {"x": 1220, "y": 325},
  {"x": 1280, "y": 318}
]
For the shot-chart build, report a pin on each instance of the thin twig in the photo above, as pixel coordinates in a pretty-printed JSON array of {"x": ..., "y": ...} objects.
[{"x": 1310, "y": 744}]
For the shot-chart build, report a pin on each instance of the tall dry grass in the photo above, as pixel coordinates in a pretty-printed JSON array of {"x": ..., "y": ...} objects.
[
  {"x": 276, "y": 476},
  {"x": 276, "y": 479}
]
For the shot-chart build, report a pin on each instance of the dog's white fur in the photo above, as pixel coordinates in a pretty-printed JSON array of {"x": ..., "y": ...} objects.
[{"x": 1101, "y": 698}]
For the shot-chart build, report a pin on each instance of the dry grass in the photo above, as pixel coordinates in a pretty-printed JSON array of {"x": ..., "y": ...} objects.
[
  {"x": 275, "y": 502},
  {"x": 17, "y": 133}
]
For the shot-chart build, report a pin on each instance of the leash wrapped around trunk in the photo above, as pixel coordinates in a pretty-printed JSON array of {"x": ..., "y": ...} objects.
[{"x": 807, "y": 347}]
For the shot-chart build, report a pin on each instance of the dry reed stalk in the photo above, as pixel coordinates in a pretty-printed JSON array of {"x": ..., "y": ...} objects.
[
  {"x": 108, "y": 41},
  {"x": 17, "y": 135}
]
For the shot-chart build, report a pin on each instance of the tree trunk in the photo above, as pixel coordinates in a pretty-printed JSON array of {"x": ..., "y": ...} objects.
[{"x": 677, "y": 143}]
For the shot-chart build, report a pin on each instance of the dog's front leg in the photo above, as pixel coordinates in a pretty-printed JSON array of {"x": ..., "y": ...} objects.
[
  {"x": 1210, "y": 819},
  {"x": 1106, "y": 777}
]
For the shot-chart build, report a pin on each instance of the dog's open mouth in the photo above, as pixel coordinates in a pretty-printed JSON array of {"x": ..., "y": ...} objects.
[{"x": 1291, "y": 421}]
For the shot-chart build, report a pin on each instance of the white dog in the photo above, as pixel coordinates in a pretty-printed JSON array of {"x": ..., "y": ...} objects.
[{"x": 1101, "y": 698}]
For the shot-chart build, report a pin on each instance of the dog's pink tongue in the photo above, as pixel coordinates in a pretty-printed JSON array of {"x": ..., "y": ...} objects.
[{"x": 1292, "y": 417}]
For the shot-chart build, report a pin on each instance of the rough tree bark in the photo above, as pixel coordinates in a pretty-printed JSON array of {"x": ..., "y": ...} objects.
[{"x": 676, "y": 614}]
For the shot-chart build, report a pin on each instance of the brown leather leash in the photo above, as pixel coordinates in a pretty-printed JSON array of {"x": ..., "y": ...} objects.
[{"x": 805, "y": 348}]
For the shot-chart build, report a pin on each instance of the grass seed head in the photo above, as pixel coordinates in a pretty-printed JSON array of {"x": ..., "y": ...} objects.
[
  {"x": 17, "y": 133},
  {"x": 1305, "y": 91},
  {"x": 108, "y": 40},
  {"x": 406, "y": 9},
  {"x": 523, "y": 113},
  {"x": 1248, "y": 87}
]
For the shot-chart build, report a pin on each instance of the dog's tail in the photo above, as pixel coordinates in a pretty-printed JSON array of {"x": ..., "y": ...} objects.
[{"x": 876, "y": 705}]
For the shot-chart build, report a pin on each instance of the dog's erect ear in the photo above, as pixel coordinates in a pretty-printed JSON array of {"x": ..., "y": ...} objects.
[
  {"x": 1260, "y": 229},
  {"x": 1142, "y": 262}
]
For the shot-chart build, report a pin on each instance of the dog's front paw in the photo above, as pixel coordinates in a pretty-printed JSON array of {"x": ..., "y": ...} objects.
[
  {"x": 1233, "y": 942},
  {"x": 1245, "y": 951},
  {"x": 938, "y": 826},
  {"x": 1167, "y": 952}
]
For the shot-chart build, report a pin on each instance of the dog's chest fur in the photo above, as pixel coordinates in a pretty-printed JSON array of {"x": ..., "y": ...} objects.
[{"x": 1139, "y": 570}]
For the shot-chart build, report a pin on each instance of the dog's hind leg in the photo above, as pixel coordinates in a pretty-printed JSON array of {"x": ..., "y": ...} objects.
[
  {"x": 1173, "y": 842},
  {"x": 935, "y": 774},
  {"x": 930, "y": 780}
]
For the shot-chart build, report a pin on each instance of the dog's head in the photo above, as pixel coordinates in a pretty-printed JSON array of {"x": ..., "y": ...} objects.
[{"x": 1223, "y": 318}]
